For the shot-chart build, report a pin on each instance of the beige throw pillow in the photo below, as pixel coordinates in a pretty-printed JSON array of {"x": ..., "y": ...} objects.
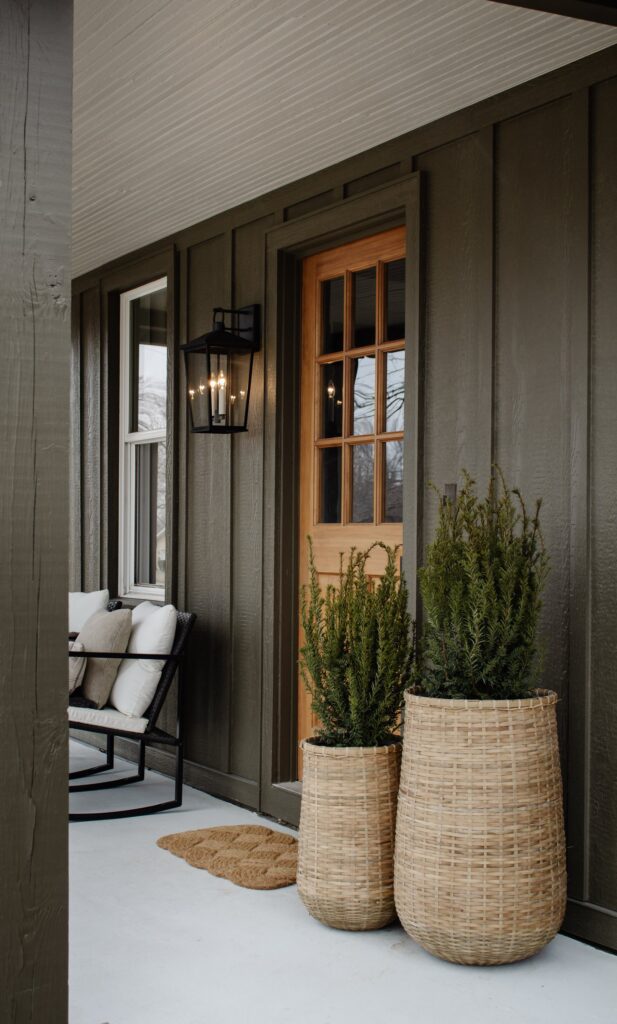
[
  {"x": 104, "y": 631},
  {"x": 77, "y": 666}
]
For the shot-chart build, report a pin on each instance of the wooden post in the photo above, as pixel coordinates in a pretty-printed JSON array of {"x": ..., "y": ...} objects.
[{"x": 35, "y": 168}]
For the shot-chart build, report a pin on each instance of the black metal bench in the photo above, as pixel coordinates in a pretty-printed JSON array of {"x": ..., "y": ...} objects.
[{"x": 151, "y": 736}]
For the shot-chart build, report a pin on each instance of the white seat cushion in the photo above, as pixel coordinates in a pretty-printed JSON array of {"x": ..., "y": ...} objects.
[
  {"x": 153, "y": 633},
  {"x": 107, "y": 718},
  {"x": 82, "y": 606}
]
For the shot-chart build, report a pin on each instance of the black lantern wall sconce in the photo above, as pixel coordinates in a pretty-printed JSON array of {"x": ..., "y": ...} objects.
[{"x": 219, "y": 367}]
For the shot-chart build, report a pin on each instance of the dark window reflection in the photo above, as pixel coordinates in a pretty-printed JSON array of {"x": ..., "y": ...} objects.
[
  {"x": 395, "y": 300},
  {"x": 330, "y": 485},
  {"x": 332, "y": 400},
  {"x": 363, "y": 284},
  {"x": 362, "y": 472},
  {"x": 332, "y": 295}
]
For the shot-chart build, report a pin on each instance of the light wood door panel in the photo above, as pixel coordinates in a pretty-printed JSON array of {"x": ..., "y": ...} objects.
[{"x": 352, "y": 403}]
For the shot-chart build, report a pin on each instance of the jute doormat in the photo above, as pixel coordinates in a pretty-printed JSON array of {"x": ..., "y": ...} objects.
[{"x": 249, "y": 855}]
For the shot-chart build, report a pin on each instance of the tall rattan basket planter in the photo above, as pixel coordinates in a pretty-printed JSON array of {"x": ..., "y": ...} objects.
[
  {"x": 480, "y": 874},
  {"x": 347, "y": 828}
]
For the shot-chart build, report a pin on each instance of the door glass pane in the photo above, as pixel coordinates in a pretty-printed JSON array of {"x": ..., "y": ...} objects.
[
  {"x": 363, "y": 391},
  {"x": 150, "y": 513},
  {"x": 395, "y": 391},
  {"x": 363, "y": 285},
  {"x": 332, "y": 305},
  {"x": 362, "y": 473},
  {"x": 332, "y": 400},
  {"x": 148, "y": 368},
  {"x": 393, "y": 483},
  {"x": 395, "y": 300},
  {"x": 330, "y": 475}
]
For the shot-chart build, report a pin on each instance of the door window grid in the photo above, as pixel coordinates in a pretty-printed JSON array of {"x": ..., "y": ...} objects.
[{"x": 335, "y": 405}]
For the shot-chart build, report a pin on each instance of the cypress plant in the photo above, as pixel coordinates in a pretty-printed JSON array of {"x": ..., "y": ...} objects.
[
  {"x": 481, "y": 589},
  {"x": 359, "y": 645}
]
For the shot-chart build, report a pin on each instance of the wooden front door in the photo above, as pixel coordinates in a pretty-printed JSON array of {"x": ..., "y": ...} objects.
[{"x": 352, "y": 407}]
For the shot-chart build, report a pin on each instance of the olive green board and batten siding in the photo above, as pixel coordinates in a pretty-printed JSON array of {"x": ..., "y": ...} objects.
[{"x": 512, "y": 336}]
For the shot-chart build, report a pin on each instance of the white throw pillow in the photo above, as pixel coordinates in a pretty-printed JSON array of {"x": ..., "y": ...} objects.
[
  {"x": 84, "y": 606},
  {"x": 153, "y": 633},
  {"x": 144, "y": 611}
]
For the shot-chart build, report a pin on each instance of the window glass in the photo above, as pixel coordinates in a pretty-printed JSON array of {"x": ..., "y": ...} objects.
[
  {"x": 332, "y": 400},
  {"x": 332, "y": 306},
  {"x": 395, "y": 300},
  {"x": 330, "y": 505},
  {"x": 362, "y": 472},
  {"x": 393, "y": 483},
  {"x": 363, "y": 388},
  {"x": 395, "y": 391},
  {"x": 148, "y": 355},
  {"x": 363, "y": 285},
  {"x": 149, "y": 568}
]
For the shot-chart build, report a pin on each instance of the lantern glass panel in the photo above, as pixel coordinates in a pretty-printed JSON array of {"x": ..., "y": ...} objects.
[
  {"x": 198, "y": 389},
  {"x": 240, "y": 382}
]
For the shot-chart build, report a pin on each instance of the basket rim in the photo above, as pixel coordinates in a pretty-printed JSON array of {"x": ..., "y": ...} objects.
[
  {"x": 322, "y": 750},
  {"x": 543, "y": 698}
]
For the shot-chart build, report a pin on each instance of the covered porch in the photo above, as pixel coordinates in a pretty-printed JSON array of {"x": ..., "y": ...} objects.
[
  {"x": 417, "y": 203},
  {"x": 153, "y": 939}
]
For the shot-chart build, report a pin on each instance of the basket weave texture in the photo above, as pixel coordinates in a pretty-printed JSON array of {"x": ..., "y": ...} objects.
[
  {"x": 480, "y": 875},
  {"x": 347, "y": 827}
]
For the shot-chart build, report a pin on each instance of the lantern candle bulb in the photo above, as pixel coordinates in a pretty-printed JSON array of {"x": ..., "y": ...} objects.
[{"x": 222, "y": 386}]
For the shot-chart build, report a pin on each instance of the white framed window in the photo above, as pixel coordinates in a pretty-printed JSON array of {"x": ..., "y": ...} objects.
[{"x": 143, "y": 441}]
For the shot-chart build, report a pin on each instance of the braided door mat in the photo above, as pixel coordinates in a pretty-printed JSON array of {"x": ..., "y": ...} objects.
[{"x": 249, "y": 855}]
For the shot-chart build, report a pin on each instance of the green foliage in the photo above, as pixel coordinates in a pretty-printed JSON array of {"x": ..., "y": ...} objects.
[
  {"x": 481, "y": 589},
  {"x": 358, "y": 651}
]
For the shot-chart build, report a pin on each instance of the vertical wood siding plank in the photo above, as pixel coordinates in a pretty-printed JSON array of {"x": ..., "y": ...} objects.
[
  {"x": 603, "y": 524},
  {"x": 413, "y": 445},
  {"x": 208, "y": 536},
  {"x": 75, "y": 492},
  {"x": 182, "y": 423},
  {"x": 91, "y": 439},
  {"x": 247, "y": 524},
  {"x": 578, "y": 696},
  {"x": 172, "y": 461},
  {"x": 538, "y": 292},
  {"x": 458, "y": 314}
]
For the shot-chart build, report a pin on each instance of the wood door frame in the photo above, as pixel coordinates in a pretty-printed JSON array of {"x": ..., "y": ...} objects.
[{"x": 395, "y": 204}]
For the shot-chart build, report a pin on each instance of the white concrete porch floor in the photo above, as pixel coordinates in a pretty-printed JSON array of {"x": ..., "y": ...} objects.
[{"x": 154, "y": 941}]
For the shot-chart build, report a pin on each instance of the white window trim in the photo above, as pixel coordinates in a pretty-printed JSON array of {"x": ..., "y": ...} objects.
[{"x": 126, "y": 462}]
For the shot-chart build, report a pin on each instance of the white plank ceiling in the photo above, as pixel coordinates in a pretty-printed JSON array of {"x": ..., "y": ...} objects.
[{"x": 184, "y": 108}]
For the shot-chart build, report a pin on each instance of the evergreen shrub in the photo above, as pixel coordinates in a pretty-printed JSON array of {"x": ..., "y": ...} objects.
[
  {"x": 481, "y": 589},
  {"x": 359, "y": 645}
]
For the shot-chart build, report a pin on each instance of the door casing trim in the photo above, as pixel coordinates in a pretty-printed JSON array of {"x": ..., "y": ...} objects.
[{"x": 394, "y": 204}]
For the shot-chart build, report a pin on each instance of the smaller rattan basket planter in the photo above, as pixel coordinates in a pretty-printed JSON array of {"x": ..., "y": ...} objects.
[
  {"x": 480, "y": 874},
  {"x": 347, "y": 828}
]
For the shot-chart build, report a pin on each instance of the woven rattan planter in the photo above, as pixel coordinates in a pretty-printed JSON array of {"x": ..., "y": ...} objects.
[
  {"x": 346, "y": 842},
  {"x": 480, "y": 873}
]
